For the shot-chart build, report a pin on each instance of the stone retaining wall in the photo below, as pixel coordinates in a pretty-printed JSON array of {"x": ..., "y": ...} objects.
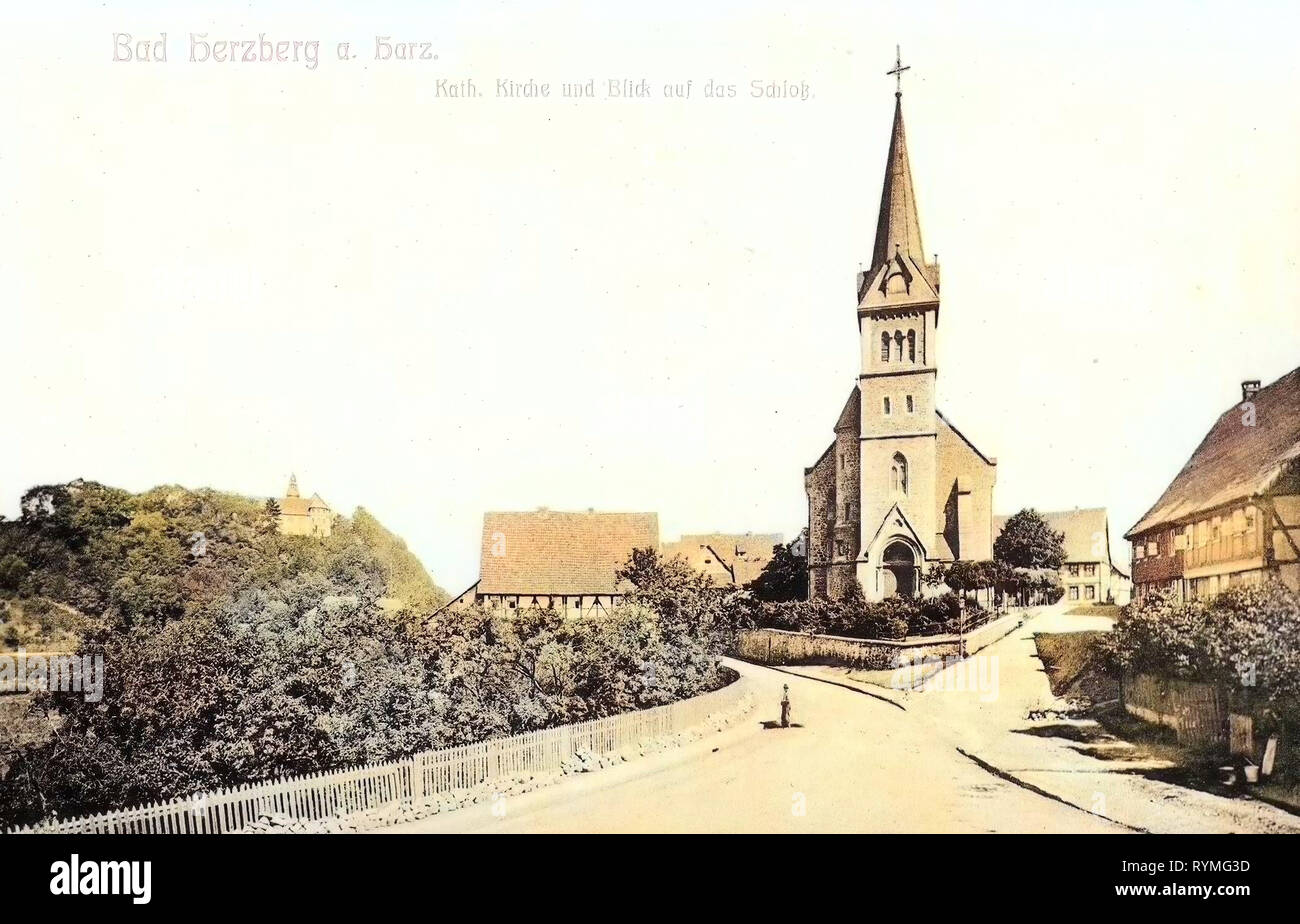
[{"x": 778, "y": 646}]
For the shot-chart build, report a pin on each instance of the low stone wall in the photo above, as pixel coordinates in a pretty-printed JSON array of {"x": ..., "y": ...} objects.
[
  {"x": 778, "y": 646},
  {"x": 999, "y": 628}
]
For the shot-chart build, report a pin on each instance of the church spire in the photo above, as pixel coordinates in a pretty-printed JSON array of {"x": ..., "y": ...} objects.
[
  {"x": 293, "y": 486},
  {"x": 898, "y": 228}
]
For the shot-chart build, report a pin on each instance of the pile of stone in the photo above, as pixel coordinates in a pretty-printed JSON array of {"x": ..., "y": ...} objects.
[
  {"x": 276, "y": 823},
  {"x": 1073, "y": 709}
]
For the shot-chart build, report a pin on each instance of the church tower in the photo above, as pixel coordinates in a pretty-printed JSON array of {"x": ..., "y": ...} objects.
[
  {"x": 900, "y": 488},
  {"x": 898, "y": 321}
]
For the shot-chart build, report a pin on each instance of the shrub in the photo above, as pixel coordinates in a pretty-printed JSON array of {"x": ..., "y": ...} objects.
[
  {"x": 1246, "y": 638},
  {"x": 13, "y": 570},
  {"x": 936, "y": 614},
  {"x": 853, "y": 617}
]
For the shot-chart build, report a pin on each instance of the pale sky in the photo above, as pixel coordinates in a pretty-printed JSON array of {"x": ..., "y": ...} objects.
[{"x": 218, "y": 274}]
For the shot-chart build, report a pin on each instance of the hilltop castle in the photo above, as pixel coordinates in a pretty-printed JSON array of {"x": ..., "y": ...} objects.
[{"x": 299, "y": 517}]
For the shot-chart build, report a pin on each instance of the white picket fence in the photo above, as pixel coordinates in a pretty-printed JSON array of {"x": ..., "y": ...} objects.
[{"x": 359, "y": 789}]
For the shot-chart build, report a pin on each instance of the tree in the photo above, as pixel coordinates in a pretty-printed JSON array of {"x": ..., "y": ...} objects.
[
  {"x": 252, "y": 655},
  {"x": 1027, "y": 541},
  {"x": 688, "y": 603},
  {"x": 784, "y": 577},
  {"x": 12, "y": 571}
]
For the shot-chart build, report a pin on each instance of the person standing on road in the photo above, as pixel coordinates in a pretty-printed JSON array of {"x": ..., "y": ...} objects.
[{"x": 785, "y": 705}]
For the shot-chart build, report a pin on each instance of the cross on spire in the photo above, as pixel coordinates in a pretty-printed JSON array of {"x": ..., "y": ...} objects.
[{"x": 897, "y": 72}]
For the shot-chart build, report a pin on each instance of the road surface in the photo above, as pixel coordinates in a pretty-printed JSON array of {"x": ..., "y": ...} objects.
[{"x": 853, "y": 763}]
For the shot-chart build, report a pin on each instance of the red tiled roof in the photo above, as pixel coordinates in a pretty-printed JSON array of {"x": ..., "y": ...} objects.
[
  {"x": 745, "y": 553},
  {"x": 556, "y": 552},
  {"x": 1234, "y": 461},
  {"x": 293, "y": 506}
]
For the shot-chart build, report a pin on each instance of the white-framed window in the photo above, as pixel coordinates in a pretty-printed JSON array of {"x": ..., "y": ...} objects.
[
  {"x": 1074, "y": 593},
  {"x": 1090, "y": 592}
]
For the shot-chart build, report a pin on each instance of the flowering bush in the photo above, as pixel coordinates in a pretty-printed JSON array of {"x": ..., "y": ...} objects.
[{"x": 1247, "y": 639}]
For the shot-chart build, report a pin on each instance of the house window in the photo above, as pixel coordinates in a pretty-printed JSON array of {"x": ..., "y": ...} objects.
[
  {"x": 898, "y": 473},
  {"x": 1074, "y": 571},
  {"x": 911, "y": 346},
  {"x": 1090, "y": 570},
  {"x": 577, "y": 604},
  {"x": 839, "y": 546},
  {"x": 1074, "y": 593},
  {"x": 884, "y": 347},
  {"x": 887, "y": 408},
  {"x": 1090, "y": 592},
  {"x": 911, "y": 406}
]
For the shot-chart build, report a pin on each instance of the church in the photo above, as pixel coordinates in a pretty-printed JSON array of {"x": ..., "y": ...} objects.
[{"x": 900, "y": 488}]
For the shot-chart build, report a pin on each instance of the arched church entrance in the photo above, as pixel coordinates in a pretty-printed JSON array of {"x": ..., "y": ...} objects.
[{"x": 899, "y": 570}]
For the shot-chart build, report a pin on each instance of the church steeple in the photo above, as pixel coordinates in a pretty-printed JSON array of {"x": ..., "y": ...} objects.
[
  {"x": 293, "y": 486},
  {"x": 898, "y": 229}
]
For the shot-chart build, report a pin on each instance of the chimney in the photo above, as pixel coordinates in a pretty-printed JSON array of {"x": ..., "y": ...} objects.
[{"x": 1249, "y": 389}]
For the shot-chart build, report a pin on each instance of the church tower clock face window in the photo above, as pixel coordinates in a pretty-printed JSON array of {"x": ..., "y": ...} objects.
[{"x": 898, "y": 474}]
